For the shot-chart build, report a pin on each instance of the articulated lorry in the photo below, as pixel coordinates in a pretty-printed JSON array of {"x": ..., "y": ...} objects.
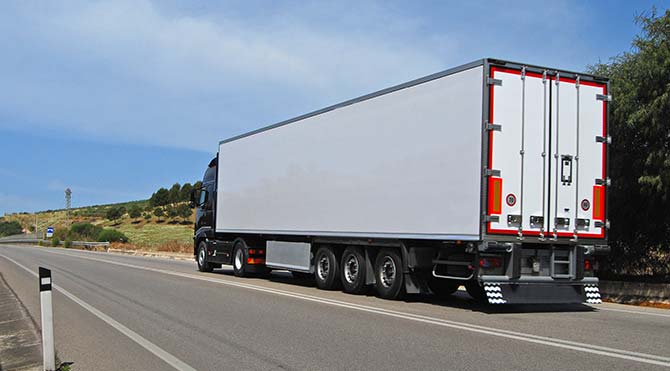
[{"x": 491, "y": 175}]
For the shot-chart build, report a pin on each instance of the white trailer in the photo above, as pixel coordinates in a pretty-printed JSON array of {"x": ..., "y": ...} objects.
[{"x": 492, "y": 175}]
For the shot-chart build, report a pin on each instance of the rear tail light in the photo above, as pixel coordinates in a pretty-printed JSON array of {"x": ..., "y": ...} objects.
[
  {"x": 255, "y": 261},
  {"x": 587, "y": 265},
  {"x": 490, "y": 262}
]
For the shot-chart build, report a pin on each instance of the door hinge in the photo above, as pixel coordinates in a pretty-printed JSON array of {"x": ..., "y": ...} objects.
[
  {"x": 599, "y": 224},
  {"x": 493, "y": 127},
  {"x": 523, "y": 73},
  {"x": 606, "y": 181},
  {"x": 604, "y": 97},
  {"x": 494, "y": 82},
  {"x": 607, "y": 139},
  {"x": 491, "y": 219},
  {"x": 492, "y": 172}
]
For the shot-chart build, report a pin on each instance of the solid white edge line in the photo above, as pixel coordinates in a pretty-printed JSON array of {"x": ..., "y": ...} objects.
[
  {"x": 582, "y": 347},
  {"x": 132, "y": 335},
  {"x": 599, "y": 307}
]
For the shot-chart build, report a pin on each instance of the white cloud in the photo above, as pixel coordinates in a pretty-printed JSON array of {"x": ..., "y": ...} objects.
[{"x": 127, "y": 71}]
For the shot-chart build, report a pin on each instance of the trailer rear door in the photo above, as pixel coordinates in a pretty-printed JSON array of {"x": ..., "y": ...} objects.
[{"x": 547, "y": 139}]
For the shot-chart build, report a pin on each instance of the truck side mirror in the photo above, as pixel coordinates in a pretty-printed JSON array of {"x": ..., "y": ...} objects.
[
  {"x": 203, "y": 196},
  {"x": 191, "y": 201}
]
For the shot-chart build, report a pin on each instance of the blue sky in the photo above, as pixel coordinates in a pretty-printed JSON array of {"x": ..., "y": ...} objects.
[{"x": 117, "y": 98}]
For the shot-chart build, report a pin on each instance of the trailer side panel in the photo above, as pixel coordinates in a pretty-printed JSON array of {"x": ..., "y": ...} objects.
[{"x": 405, "y": 164}]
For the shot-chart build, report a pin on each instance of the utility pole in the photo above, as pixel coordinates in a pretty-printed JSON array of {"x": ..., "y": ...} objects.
[{"x": 68, "y": 199}]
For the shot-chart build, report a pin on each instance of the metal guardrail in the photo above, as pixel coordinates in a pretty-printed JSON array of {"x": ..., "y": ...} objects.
[
  {"x": 33, "y": 241},
  {"x": 89, "y": 244},
  {"x": 21, "y": 240}
]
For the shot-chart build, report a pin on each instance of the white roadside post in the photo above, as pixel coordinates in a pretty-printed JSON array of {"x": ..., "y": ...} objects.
[{"x": 48, "y": 351}]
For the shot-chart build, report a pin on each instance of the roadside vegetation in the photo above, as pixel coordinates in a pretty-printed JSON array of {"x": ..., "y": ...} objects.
[
  {"x": 8, "y": 228},
  {"x": 164, "y": 222},
  {"x": 639, "y": 197}
]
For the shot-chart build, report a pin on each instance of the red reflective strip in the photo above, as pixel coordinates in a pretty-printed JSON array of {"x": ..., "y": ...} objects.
[
  {"x": 495, "y": 195},
  {"x": 598, "y": 202}
]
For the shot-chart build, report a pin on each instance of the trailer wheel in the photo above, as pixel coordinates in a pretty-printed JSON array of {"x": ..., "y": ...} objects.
[
  {"x": 441, "y": 287},
  {"x": 353, "y": 270},
  {"x": 327, "y": 269},
  {"x": 203, "y": 264},
  {"x": 476, "y": 291},
  {"x": 240, "y": 255},
  {"x": 390, "y": 282}
]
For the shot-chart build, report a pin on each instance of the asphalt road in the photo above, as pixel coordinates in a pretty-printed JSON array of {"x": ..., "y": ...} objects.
[{"x": 117, "y": 312}]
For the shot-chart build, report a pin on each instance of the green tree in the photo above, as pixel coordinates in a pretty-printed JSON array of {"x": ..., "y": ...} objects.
[
  {"x": 174, "y": 193},
  {"x": 160, "y": 198},
  {"x": 640, "y": 151},
  {"x": 185, "y": 193},
  {"x": 172, "y": 211},
  {"x": 114, "y": 213},
  {"x": 159, "y": 212},
  {"x": 135, "y": 212},
  {"x": 184, "y": 211}
]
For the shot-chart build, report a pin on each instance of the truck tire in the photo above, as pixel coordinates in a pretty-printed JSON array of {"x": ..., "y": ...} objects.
[
  {"x": 441, "y": 287},
  {"x": 240, "y": 256},
  {"x": 327, "y": 269},
  {"x": 353, "y": 270},
  {"x": 203, "y": 264},
  {"x": 476, "y": 291},
  {"x": 389, "y": 280}
]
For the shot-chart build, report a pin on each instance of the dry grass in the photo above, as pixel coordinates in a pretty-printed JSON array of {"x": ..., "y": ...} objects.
[{"x": 154, "y": 234}]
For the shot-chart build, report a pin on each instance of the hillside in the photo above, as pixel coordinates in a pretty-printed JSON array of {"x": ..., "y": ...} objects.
[{"x": 148, "y": 231}]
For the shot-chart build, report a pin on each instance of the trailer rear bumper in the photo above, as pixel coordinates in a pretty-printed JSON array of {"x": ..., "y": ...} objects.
[{"x": 540, "y": 290}]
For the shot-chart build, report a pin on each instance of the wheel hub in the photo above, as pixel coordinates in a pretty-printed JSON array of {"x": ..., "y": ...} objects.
[
  {"x": 351, "y": 269},
  {"x": 387, "y": 275},
  {"x": 323, "y": 268},
  {"x": 238, "y": 259}
]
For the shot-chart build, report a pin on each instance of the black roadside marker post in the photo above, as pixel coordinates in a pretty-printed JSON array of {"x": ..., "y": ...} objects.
[{"x": 48, "y": 351}]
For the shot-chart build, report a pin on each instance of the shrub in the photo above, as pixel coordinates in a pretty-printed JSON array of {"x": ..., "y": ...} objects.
[
  {"x": 68, "y": 243},
  {"x": 112, "y": 235},
  {"x": 159, "y": 212},
  {"x": 147, "y": 216},
  {"x": 86, "y": 231},
  {"x": 10, "y": 228},
  {"x": 55, "y": 241}
]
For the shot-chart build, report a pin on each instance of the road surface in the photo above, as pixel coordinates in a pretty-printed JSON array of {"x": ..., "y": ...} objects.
[{"x": 115, "y": 312}]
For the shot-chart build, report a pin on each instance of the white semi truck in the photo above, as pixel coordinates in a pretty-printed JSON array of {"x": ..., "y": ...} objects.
[{"x": 491, "y": 175}]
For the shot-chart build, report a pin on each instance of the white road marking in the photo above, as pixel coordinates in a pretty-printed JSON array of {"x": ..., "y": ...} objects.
[
  {"x": 146, "y": 344},
  {"x": 74, "y": 253},
  {"x": 601, "y": 307},
  {"x": 549, "y": 341}
]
